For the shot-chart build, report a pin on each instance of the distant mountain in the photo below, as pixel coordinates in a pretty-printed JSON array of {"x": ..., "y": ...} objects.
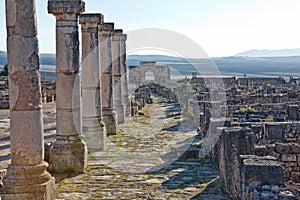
[
  {"x": 45, "y": 59},
  {"x": 226, "y": 66},
  {"x": 270, "y": 53},
  {"x": 158, "y": 58},
  {"x": 3, "y": 58}
]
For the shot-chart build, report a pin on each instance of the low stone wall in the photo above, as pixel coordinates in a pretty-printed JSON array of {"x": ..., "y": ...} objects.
[
  {"x": 282, "y": 140},
  {"x": 281, "y": 132},
  {"x": 232, "y": 143},
  {"x": 288, "y": 155},
  {"x": 245, "y": 175},
  {"x": 262, "y": 178},
  {"x": 270, "y": 108}
]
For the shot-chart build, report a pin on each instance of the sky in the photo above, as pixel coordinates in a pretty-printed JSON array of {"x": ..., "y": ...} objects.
[{"x": 220, "y": 27}]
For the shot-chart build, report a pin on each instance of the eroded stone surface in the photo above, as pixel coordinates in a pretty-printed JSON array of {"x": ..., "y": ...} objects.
[
  {"x": 93, "y": 126},
  {"x": 69, "y": 152},
  {"x": 142, "y": 163},
  {"x": 26, "y": 176}
]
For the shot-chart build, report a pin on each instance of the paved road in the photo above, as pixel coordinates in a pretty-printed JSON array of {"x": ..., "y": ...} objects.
[{"x": 146, "y": 160}]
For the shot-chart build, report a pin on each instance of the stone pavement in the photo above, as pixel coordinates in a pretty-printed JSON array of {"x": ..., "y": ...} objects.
[
  {"x": 146, "y": 159},
  {"x": 49, "y": 115}
]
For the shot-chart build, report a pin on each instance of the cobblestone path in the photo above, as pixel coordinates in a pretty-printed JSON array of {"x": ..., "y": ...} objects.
[{"x": 146, "y": 160}]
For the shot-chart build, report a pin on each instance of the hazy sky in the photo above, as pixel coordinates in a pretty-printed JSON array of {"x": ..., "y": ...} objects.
[{"x": 220, "y": 27}]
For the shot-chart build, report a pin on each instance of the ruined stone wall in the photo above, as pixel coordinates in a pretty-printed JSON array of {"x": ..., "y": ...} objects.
[
  {"x": 260, "y": 81},
  {"x": 247, "y": 176},
  {"x": 281, "y": 132},
  {"x": 282, "y": 140},
  {"x": 288, "y": 155},
  {"x": 268, "y": 109},
  {"x": 232, "y": 143}
]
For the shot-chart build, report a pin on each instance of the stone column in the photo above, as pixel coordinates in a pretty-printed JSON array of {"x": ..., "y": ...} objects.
[
  {"x": 116, "y": 65},
  {"x": 124, "y": 83},
  {"x": 108, "y": 111},
  {"x": 93, "y": 127},
  {"x": 26, "y": 177},
  {"x": 69, "y": 152}
]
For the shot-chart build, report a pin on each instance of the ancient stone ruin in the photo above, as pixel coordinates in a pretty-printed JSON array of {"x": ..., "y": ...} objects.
[
  {"x": 247, "y": 127},
  {"x": 85, "y": 113},
  {"x": 26, "y": 176},
  {"x": 92, "y": 124}
]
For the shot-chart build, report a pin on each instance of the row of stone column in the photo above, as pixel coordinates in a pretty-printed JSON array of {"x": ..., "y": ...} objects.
[
  {"x": 104, "y": 87},
  {"x": 103, "y": 60},
  {"x": 104, "y": 83}
]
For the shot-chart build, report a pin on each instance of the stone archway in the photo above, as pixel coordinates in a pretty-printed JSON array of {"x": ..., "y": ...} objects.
[
  {"x": 149, "y": 76},
  {"x": 137, "y": 74}
]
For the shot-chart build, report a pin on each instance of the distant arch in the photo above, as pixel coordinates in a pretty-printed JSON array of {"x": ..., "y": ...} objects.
[
  {"x": 149, "y": 76},
  {"x": 137, "y": 74}
]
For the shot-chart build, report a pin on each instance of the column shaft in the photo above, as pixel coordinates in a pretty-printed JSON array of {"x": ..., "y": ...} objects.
[
  {"x": 108, "y": 111},
  {"x": 69, "y": 152},
  {"x": 26, "y": 177},
  {"x": 124, "y": 83},
  {"x": 92, "y": 124},
  {"x": 117, "y": 90}
]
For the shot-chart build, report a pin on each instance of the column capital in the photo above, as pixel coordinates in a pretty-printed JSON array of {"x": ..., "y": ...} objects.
[
  {"x": 117, "y": 34},
  {"x": 123, "y": 37},
  {"x": 106, "y": 27},
  {"x": 91, "y": 18},
  {"x": 65, "y": 7},
  {"x": 90, "y": 22},
  {"x": 118, "y": 31}
]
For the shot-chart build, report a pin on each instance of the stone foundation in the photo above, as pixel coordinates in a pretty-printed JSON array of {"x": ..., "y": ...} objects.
[
  {"x": 28, "y": 182},
  {"x": 110, "y": 119},
  {"x": 288, "y": 155},
  {"x": 68, "y": 155}
]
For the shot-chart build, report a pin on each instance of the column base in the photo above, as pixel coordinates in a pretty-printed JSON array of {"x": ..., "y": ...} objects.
[
  {"x": 126, "y": 104},
  {"x": 109, "y": 117},
  {"x": 68, "y": 155},
  {"x": 120, "y": 112},
  {"x": 28, "y": 182},
  {"x": 95, "y": 135}
]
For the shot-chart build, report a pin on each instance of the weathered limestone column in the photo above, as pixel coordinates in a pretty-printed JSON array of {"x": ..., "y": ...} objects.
[
  {"x": 108, "y": 111},
  {"x": 116, "y": 65},
  {"x": 26, "y": 177},
  {"x": 69, "y": 152},
  {"x": 93, "y": 127},
  {"x": 124, "y": 83}
]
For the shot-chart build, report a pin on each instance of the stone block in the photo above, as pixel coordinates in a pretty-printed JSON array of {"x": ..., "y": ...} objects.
[
  {"x": 236, "y": 141},
  {"x": 274, "y": 131},
  {"x": 68, "y": 157},
  {"x": 28, "y": 182},
  {"x": 293, "y": 111},
  {"x": 259, "y": 171},
  {"x": 88, "y": 18},
  {"x": 288, "y": 158},
  {"x": 295, "y": 148},
  {"x": 95, "y": 133},
  {"x": 261, "y": 150},
  {"x": 296, "y": 176},
  {"x": 59, "y": 7},
  {"x": 282, "y": 148}
]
